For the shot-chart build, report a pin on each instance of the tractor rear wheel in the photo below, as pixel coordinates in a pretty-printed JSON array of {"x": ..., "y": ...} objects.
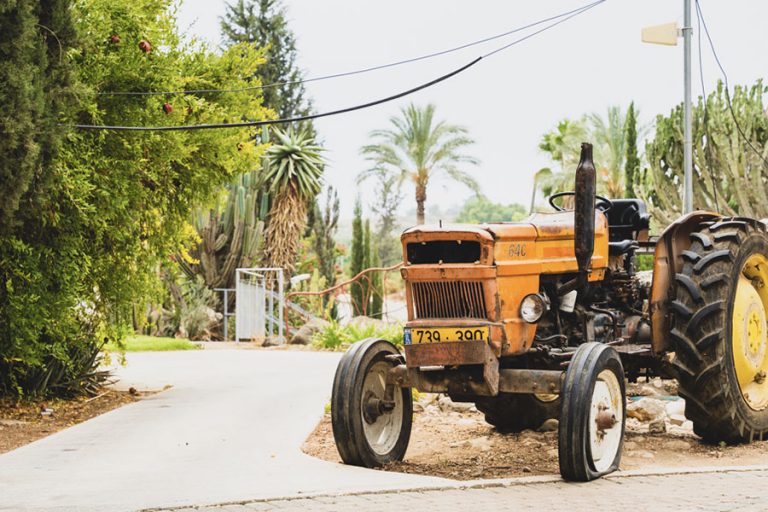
[
  {"x": 515, "y": 412},
  {"x": 719, "y": 330}
]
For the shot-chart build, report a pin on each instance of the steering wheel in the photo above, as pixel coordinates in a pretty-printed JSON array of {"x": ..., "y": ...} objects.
[{"x": 603, "y": 204}]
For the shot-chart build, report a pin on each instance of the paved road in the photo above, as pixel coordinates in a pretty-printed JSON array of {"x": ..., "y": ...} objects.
[
  {"x": 229, "y": 429},
  {"x": 730, "y": 491}
]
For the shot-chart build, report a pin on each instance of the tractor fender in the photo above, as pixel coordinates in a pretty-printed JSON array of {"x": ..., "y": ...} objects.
[{"x": 666, "y": 263}]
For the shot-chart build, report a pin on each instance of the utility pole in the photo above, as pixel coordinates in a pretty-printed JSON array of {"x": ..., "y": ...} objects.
[
  {"x": 687, "y": 128},
  {"x": 668, "y": 34}
]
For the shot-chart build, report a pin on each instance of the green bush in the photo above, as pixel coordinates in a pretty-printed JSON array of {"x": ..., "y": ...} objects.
[{"x": 338, "y": 337}]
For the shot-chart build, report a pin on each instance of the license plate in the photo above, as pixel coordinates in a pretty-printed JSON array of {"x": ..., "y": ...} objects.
[{"x": 415, "y": 336}]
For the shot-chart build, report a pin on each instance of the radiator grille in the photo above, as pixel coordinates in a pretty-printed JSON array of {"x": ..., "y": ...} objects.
[{"x": 448, "y": 299}]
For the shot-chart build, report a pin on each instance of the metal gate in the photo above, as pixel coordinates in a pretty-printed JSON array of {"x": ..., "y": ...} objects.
[{"x": 259, "y": 304}]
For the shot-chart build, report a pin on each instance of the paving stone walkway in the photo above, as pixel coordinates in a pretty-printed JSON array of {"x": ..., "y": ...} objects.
[{"x": 742, "y": 491}]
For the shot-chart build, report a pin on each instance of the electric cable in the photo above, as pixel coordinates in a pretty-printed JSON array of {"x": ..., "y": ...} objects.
[
  {"x": 725, "y": 78},
  {"x": 308, "y": 117},
  {"x": 357, "y": 71},
  {"x": 707, "y": 152}
]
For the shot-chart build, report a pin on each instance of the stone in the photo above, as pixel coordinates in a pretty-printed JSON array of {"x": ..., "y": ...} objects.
[
  {"x": 677, "y": 420},
  {"x": 304, "y": 335},
  {"x": 448, "y": 405},
  {"x": 466, "y": 422},
  {"x": 657, "y": 427},
  {"x": 646, "y": 409},
  {"x": 676, "y": 445},
  {"x": 549, "y": 425},
  {"x": 417, "y": 407},
  {"x": 630, "y": 445},
  {"x": 675, "y": 407},
  {"x": 552, "y": 452},
  {"x": 642, "y": 454},
  {"x": 480, "y": 443}
]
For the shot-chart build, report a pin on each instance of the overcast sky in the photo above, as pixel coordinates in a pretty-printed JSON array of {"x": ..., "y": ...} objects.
[{"x": 510, "y": 99}]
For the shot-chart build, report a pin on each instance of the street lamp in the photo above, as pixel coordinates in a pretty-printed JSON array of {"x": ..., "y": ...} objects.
[{"x": 667, "y": 34}]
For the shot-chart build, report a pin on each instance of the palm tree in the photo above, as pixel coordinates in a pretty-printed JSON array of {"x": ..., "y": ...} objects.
[
  {"x": 563, "y": 145},
  {"x": 610, "y": 142},
  {"x": 417, "y": 148},
  {"x": 292, "y": 176},
  {"x": 540, "y": 178}
]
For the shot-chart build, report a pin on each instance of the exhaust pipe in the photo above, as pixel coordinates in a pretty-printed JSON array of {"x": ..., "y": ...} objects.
[{"x": 584, "y": 219}]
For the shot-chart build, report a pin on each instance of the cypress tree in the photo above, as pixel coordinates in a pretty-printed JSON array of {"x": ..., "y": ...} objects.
[
  {"x": 632, "y": 160},
  {"x": 366, "y": 283},
  {"x": 357, "y": 258},
  {"x": 22, "y": 104},
  {"x": 377, "y": 288}
]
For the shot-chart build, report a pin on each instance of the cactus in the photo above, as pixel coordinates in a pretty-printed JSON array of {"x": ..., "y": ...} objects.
[
  {"x": 230, "y": 233},
  {"x": 728, "y": 175}
]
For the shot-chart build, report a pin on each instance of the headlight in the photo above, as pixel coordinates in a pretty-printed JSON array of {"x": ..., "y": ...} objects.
[{"x": 532, "y": 308}]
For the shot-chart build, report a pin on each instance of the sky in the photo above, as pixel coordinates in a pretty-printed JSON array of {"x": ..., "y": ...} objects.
[{"x": 509, "y": 100}]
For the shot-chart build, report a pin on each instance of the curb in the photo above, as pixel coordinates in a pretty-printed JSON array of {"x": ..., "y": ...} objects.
[{"x": 480, "y": 484}]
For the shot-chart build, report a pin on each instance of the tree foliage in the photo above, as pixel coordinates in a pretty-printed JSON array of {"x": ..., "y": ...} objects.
[
  {"x": 477, "y": 210},
  {"x": 108, "y": 208},
  {"x": 418, "y": 147},
  {"x": 292, "y": 176},
  {"x": 728, "y": 175},
  {"x": 264, "y": 23},
  {"x": 357, "y": 258},
  {"x": 632, "y": 158},
  {"x": 324, "y": 227}
]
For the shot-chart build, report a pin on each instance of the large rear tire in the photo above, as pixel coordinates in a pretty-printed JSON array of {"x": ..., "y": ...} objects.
[
  {"x": 591, "y": 430},
  {"x": 719, "y": 332},
  {"x": 515, "y": 412},
  {"x": 368, "y": 432}
]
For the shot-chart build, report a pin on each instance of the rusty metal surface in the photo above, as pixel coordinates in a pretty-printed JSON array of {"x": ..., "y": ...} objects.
[
  {"x": 530, "y": 381},
  {"x": 471, "y": 381},
  {"x": 667, "y": 262},
  {"x": 448, "y": 299},
  {"x": 584, "y": 212},
  {"x": 446, "y": 353}
]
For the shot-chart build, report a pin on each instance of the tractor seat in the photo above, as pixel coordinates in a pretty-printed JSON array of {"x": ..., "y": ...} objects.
[{"x": 626, "y": 219}]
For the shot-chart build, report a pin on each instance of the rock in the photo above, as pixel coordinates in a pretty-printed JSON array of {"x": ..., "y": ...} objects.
[
  {"x": 549, "y": 425},
  {"x": 365, "y": 321},
  {"x": 552, "y": 452},
  {"x": 656, "y": 382},
  {"x": 479, "y": 443},
  {"x": 12, "y": 423},
  {"x": 466, "y": 422},
  {"x": 417, "y": 407},
  {"x": 526, "y": 469},
  {"x": 657, "y": 427},
  {"x": 630, "y": 445},
  {"x": 646, "y": 409},
  {"x": 304, "y": 335},
  {"x": 677, "y": 445},
  {"x": 675, "y": 407},
  {"x": 677, "y": 420},
  {"x": 641, "y": 389},
  {"x": 643, "y": 454},
  {"x": 671, "y": 387},
  {"x": 448, "y": 405},
  {"x": 432, "y": 409}
]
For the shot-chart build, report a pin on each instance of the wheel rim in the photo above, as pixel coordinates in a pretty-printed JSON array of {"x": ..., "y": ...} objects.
[
  {"x": 606, "y": 415},
  {"x": 750, "y": 332},
  {"x": 383, "y": 431}
]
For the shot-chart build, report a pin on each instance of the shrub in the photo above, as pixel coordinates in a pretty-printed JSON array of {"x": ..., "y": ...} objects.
[{"x": 336, "y": 337}]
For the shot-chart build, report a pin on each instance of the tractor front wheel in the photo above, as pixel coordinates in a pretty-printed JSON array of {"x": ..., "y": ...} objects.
[
  {"x": 719, "y": 332},
  {"x": 370, "y": 428},
  {"x": 593, "y": 415}
]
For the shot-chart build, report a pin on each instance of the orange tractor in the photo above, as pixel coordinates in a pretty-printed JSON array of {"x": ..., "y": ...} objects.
[{"x": 548, "y": 317}]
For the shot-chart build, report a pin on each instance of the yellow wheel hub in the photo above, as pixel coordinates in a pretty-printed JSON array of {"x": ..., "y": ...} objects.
[{"x": 750, "y": 332}]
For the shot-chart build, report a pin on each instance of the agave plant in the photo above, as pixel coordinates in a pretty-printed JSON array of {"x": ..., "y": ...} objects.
[{"x": 293, "y": 168}]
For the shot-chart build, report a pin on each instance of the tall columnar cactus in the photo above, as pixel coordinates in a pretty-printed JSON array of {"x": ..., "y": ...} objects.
[
  {"x": 729, "y": 176},
  {"x": 231, "y": 233}
]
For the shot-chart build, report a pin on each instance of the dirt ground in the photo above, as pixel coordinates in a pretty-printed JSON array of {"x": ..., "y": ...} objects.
[
  {"x": 460, "y": 445},
  {"x": 23, "y": 423}
]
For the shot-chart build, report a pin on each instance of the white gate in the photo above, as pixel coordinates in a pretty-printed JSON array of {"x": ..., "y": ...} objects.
[{"x": 259, "y": 304}]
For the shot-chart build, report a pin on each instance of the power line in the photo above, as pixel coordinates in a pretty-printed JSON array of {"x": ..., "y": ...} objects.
[
  {"x": 244, "y": 124},
  {"x": 357, "y": 71},
  {"x": 707, "y": 152},
  {"x": 725, "y": 78}
]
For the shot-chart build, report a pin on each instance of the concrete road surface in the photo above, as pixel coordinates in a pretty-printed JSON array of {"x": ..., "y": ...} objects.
[{"x": 228, "y": 430}]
